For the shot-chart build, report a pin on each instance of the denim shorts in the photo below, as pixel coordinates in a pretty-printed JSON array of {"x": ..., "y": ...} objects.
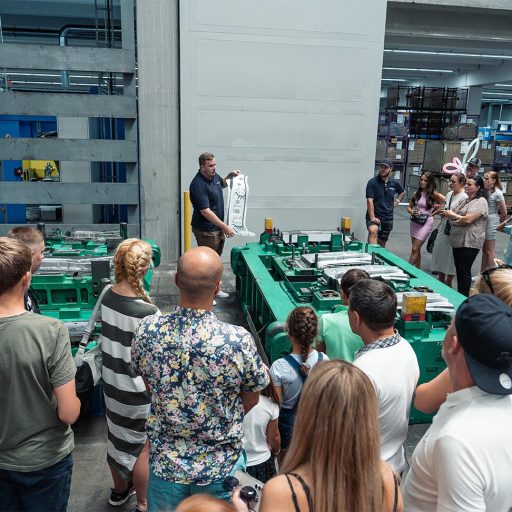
[
  {"x": 165, "y": 496},
  {"x": 46, "y": 489}
]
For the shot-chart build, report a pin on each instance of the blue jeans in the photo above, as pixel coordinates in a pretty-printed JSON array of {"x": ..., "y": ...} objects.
[
  {"x": 165, "y": 496},
  {"x": 37, "y": 491},
  {"x": 286, "y": 423}
]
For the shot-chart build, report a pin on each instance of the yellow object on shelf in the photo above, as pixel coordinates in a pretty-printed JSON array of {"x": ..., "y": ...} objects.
[
  {"x": 39, "y": 169},
  {"x": 414, "y": 304}
]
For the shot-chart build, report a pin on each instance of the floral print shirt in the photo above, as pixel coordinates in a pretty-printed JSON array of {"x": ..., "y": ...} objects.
[{"x": 195, "y": 366}]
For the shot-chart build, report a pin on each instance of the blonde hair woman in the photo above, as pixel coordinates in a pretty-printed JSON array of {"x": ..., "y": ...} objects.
[
  {"x": 126, "y": 399},
  {"x": 497, "y": 214},
  {"x": 334, "y": 463}
]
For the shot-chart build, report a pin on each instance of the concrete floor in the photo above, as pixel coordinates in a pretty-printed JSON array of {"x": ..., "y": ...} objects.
[{"x": 91, "y": 478}]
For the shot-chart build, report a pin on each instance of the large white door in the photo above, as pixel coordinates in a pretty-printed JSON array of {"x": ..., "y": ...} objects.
[{"x": 288, "y": 92}]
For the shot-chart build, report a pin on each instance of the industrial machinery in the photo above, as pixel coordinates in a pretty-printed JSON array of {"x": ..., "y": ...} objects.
[
  {"x": 76, "y": 267},
  {"x": 286, "y": 269}
]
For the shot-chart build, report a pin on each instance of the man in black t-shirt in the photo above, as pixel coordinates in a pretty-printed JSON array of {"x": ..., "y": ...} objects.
[
  {"x": 207, "y": 199},
  {"x": 381, "y": 202}
]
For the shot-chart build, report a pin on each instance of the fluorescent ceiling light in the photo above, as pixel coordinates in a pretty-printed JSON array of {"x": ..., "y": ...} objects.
[
  {"x": 394, "y": 80},
  {"x": 502, "y": 85},
  {"x": 450, "y": 54},
  {"x": 422, "y": 69},
  {"x": 496, "y": 93}
]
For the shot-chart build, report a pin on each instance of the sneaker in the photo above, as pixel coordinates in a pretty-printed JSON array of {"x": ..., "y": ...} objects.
[
  {"x": 222, "y": 294},
  {"x": 119, "y": 498},
  {"x": 214, "y": 302}
]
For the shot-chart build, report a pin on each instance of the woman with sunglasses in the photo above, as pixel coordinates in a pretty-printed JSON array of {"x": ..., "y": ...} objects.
[
  {"x": 421, "y": 208},
  {"x": 430, "y": 395},
  {"x": 467, "y": 234},
  {"x": 442, "y": 255},
  {"x": 497, "y": 214}
]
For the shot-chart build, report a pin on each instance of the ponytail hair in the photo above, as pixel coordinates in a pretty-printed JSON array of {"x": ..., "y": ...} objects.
[
  {"x": 302, "y": 326},
  {"x": 131, "y": 262}
]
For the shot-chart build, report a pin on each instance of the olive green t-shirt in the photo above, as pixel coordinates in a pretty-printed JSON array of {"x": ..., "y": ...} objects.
[{"x": 35, "y": 357}]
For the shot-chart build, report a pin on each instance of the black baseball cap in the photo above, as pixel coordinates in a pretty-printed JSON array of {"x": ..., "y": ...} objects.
[
  {"x": 475, "y": 161},
  {"x": 386, "y": 162},
  {"x": 484, "y": 329}
]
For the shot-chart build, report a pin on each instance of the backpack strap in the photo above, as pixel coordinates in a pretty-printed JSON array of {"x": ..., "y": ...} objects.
[{"x": 295, "y": 365}]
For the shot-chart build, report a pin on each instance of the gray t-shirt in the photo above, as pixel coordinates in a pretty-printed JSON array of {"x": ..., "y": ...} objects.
[{"x": 35, "y": 358}]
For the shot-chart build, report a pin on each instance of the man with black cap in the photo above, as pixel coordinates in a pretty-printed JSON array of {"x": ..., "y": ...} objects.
[
  {"x": 473, "y": 167},
  {"x": 464, "y": 460},
  {"x": 381, "y": 202}
]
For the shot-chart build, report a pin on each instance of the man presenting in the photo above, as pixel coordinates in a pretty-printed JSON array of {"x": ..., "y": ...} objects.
[
  {"x": 207, "y": 199},
  {"x": 203, "y": 375},
  {"x": 463, "y": 461},
  {"x": 381, "y": 202}
]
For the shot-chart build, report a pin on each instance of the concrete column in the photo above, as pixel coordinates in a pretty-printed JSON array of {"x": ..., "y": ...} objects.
[
  {"x": 474, "y": 100},
  {"x": 157, "y": 50}
]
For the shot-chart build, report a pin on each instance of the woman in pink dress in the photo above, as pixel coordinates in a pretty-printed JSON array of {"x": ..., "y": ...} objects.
[{"x": 421, "y": 209}]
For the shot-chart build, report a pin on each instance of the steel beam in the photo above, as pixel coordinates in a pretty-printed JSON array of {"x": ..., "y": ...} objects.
[
  {"x": 133, "y": 229},
  {"x": 89, "y": 150},
  {"x": 52, "y": 193},
  {"x": 70, "y": 105},
  {"x": 67, "y": 58}
]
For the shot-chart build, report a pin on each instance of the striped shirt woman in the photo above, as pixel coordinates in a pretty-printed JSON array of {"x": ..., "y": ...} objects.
[{"x": 127, "y": 401}]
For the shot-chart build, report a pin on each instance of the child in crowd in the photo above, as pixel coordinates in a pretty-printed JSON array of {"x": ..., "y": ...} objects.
[
  {"x": 290, "y": 372},
  {"x": 261, "y": 435},
  {"x": 127, "y": 401}
]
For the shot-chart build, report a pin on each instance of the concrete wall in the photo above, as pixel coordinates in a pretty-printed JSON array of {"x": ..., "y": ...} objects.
[{"x": 287, "y": 92}]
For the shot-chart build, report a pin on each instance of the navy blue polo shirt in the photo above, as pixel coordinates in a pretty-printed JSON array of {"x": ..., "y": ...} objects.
[
  {"x": 383, "y": 195},
  {"x": 206, "y": 193}
]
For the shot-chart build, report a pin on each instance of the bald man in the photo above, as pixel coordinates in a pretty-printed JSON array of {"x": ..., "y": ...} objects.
[{"x": 203, "y": 375}]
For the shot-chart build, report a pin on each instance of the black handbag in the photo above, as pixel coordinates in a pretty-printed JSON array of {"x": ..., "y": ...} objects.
[
  {"x": 432, "y": 240},
  {"x": 447, "y": 228},
  {"x": 420, "y": 219}
]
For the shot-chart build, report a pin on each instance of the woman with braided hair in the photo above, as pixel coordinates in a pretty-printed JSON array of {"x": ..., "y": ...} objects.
[
  {"x": 290, "y": 372},
  {"x": 127, "y": 401}
]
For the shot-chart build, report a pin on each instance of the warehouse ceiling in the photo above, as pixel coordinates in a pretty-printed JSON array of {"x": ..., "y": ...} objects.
[
  {"x": 433, "y": 45},
  {"x": 425, "y": 44}
]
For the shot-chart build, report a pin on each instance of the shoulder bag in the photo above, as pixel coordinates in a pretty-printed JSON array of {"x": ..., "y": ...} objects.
[{"x": 88, "y": 364}]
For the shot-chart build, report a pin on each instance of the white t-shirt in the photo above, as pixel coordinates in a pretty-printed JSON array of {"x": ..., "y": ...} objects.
[
  {"x": 463, "y": 462},
  {"x": 394, "y": 372},
  {"x": 255, "y": 429},
  {"x": 283, "y": 374}
]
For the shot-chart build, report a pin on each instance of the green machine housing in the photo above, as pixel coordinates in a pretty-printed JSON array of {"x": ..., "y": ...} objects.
[
  {"x": 76, "y": 267},
  {"x": 284, "y": 271}
]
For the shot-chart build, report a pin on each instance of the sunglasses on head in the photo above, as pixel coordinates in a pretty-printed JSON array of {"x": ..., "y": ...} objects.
[{"x": 486, "y": 274}]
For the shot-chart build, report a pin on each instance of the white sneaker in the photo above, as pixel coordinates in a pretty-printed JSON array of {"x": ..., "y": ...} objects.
[
  {"x": 214, "y": 302},
  {"x": 222, "y": 294}
]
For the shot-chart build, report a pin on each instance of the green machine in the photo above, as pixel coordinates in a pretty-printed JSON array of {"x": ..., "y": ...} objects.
[
  {"x": 76, "y": 267},
  {"x": 296, "y": 268}
]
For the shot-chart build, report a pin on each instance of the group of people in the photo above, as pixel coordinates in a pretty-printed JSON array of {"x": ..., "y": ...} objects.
[
  {"x": 470, "y": 216},
  {"x": 190, "y": 402}
]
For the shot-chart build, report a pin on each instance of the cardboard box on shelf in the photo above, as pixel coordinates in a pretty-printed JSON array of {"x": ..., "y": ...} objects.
[
  {"x": 416, "y": 151},
  {"x": 452, "y": 149},
  {"x": 434, "y": 153},
  {"x": 396, "y": 154},
  {"x": 486, "y": 152}
]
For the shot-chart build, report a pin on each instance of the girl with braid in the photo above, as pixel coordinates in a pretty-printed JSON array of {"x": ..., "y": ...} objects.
[
  {"x": 127, "y": 401},
  {"x": 290, "y": 372}
]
